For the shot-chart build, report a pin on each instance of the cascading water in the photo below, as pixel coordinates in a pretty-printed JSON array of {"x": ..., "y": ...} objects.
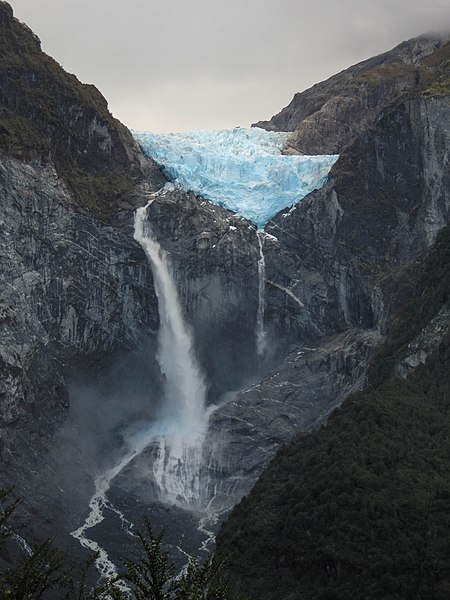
[
  {"x": 183, "y": 417},
  {"x": 179, "y": 430},
  {"x": 97, "y": 505},
  {"x": 244, "y": 171},
  {"x": 261, "y": 340}
]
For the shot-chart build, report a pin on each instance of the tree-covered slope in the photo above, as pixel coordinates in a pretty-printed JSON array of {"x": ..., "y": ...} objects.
[{"x": 360, "y": 509}]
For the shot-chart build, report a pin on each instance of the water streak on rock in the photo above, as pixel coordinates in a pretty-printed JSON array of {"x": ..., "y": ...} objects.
[{"x": 261, "y": 340}]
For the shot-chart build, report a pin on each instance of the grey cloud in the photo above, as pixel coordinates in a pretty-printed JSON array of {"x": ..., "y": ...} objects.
[{"x": 179, "y": 64}]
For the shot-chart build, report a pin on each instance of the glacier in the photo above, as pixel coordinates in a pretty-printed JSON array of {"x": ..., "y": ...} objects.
[{"x": 240, "y": 169}]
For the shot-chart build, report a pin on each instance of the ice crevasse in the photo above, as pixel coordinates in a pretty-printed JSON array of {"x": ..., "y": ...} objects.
[{"x": 240, "y": 169}]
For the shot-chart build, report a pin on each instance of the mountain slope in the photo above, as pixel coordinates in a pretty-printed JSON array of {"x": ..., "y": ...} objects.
[
  {"x": 47, "y": 114},
  {"x": 74, "y": 291},
  {"x": 340, "y": 249},
  {"x": 360, "y": 508},
  {"x": 329, "y": 116}
]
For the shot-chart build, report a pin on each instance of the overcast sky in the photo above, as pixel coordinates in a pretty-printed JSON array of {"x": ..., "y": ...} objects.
[{"x": 175, "y": 65}]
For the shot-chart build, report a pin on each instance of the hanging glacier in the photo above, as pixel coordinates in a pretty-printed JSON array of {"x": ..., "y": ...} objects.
[{"x": 240, "y": 169}]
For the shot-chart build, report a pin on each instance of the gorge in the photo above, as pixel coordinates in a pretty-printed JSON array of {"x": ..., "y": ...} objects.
[
  {"x": 175, "y": 308},
  {"x": 181, "y": 465}
]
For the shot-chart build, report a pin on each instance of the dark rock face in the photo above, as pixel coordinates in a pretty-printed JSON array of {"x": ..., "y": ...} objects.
[
  {"x": 329, "y": 116},
  {"x": 385, "y": 201},
  {"x": 335, "y": 265},
  {"x": 47, "y": 114},
  {"x": 330, "y": 263},
  {"x": 214, "y": 255},
  {"x": 317, "y": 520},
  {"x": 295, "y": 396},
  {"x": 71, "y": 290},
  {"x": 6, "y": 15}
]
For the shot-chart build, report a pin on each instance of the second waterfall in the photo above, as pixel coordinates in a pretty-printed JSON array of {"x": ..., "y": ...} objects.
[
  {"x": 261, "y": 341},
  {"x": 183, "y": 418}
]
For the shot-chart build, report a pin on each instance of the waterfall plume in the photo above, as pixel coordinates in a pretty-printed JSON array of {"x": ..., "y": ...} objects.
[{"x": 183, "y": 419}]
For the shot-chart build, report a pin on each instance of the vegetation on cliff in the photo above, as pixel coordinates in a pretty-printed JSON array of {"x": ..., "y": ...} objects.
[
  {"x": 329, "y": 116},
  {"x": 439, "y": 63},
  {"x": 356, "y": 510},
  {"x": 359, "y": 509},
  {"x": 46, "y": 113}
]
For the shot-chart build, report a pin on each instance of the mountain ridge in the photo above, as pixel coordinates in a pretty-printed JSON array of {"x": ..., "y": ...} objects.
[
  {"x": 46, "y": 114},
  {"x": 330, "y": 115},
  {"x": 77, "y": 300}
]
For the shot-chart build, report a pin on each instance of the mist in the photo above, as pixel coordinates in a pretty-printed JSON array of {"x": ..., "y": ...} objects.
[{"x": 106, "y": 410}]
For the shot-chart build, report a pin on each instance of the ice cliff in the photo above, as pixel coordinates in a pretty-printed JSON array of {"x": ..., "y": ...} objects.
[{"x": 242, "y": 170}]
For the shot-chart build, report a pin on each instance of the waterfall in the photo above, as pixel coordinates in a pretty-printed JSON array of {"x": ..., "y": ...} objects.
[
  {"x": 183, "y": 418},
  {"x": 261, "y": 340},
  {"x": 180, "y": 428}
]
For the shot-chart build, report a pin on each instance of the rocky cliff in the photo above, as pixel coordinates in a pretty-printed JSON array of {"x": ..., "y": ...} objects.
[
  {"x": 77, "y": 305},
  {"x": 359, "y": 507},
  {"x": 328, "y": 117},
  {"x": 354, "y": 254},
  {"x": 385, "y": 201},
  {"x": 47, "y": 114},
  {"x": 337, "y": 269},
  {"x": 214, "y": 255},
  {"x": 74, "y": 291}
]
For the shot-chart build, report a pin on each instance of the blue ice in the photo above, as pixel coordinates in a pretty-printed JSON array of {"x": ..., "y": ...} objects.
[{"x": 240, "y": 169}]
